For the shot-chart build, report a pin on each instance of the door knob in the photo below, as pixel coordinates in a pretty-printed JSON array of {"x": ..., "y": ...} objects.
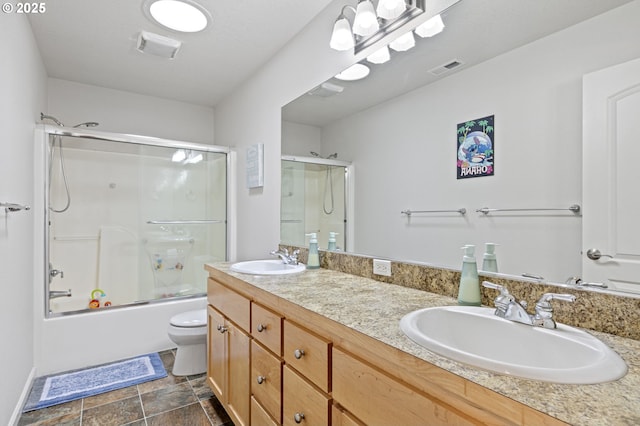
[{"x": 595, "y": 254}]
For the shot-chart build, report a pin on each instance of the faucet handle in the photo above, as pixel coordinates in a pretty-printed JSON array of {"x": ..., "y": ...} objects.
[
  {"x": 544, "y": 310},
  {"x": 501, "y": 301}
]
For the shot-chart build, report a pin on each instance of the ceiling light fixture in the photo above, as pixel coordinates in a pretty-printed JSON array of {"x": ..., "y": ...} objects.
[
  {"x": 179, "y": 15},
  {"x": 354, "y": 72},
  {"x": 431, "y": 27}
]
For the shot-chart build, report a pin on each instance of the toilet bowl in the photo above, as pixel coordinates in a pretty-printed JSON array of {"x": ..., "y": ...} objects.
[{"x": 188, "y": 331}]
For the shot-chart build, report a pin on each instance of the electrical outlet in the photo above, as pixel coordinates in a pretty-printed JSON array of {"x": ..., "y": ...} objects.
[{"x": 382, "y": 267}]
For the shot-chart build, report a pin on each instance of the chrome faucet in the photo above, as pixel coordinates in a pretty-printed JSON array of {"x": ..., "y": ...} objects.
[
  {"x": 508, "y": 308},
  {"x": 54, "y": 294},
  {"x": 287, "y": 259}
]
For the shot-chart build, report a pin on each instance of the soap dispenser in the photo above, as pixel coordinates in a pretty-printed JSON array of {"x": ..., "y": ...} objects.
[
  {"x": 489, "y": 262},
  {"x": 469, "y": 291},
  {"x": 332, "y": 241},
  {"x": 314, "y": 258}
]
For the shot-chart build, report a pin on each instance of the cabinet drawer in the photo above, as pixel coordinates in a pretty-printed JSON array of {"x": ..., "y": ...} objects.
[
  {"x": 308, "y": 353},
  {"x": 266, "y": 327},
  {"x": 233, "y": 305},
  {"x": 340, "y": 417},
  {"x": 266, "y": 380},
  {"x": 259, "y": 417},
  {"x": 375, "y": 398},
  {"x": 302, "y": 402}
]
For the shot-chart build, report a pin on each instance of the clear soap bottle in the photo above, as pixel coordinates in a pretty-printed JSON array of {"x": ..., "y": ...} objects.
[
  {"x": 489, "y": 262},
  {"x": 469, "y": 291},
  {"x": 314, "y": 258}
]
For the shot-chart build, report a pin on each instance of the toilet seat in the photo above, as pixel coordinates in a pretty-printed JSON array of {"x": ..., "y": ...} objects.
[{"x": 190, "y": 319}]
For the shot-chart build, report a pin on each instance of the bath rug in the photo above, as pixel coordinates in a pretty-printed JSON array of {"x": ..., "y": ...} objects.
[{"x": 71, "y": 385}]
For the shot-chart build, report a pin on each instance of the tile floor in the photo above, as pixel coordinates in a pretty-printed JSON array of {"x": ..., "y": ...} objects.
[{"x": 172, "y": 401}]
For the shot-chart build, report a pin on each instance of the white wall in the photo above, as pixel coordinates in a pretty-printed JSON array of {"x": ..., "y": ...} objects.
[
  {"x": 300, "y": 139},
  {"x": 23, "y": 87},
  {"x": 404, "y": 152},
  {"x": 125, "y": 112},
  {"x": 252, "y": 115}
]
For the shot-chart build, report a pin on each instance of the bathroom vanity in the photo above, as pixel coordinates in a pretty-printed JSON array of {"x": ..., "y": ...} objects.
[{"x": 325, "y": 348}]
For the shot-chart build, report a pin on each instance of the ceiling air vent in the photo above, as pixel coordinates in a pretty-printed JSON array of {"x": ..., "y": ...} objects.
[
  {"x": 325, "y": 90},
  {"x": 446, "y": 67}
]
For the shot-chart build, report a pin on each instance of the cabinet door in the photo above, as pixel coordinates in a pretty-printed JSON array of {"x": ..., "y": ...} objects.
[
  {"x": 266, "y": 380},
  {"x": 216, "y": 353},
  {"x": 238, "y": 393},
  {"x": 233, "y": 305},
  {"x": 302, "y": 403},
  {"x": 259, "y": 416}
]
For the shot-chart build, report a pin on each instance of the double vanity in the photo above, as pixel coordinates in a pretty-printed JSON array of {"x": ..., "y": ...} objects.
[{"x": 327, "y": 347}]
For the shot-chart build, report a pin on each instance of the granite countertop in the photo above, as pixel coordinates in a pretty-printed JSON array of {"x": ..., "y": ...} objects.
[{"x": 375, "y": 309}]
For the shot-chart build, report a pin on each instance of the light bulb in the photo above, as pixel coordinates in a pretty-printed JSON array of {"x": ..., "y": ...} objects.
[
  {"x": 380, "y": 56},
  {"x": 342, "y": 38},
  {"x": 391, "y": 9},
  {"x": 431, "y": 27},
  {"x": 404, "y": 42},
  {"x": 366, "y": 21}
]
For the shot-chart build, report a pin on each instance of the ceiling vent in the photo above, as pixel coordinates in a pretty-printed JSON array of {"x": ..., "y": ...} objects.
[
  {"x": 325, "y": 90},
  {"x": 157, "y": 45},
  {"x": 446, "y": 67}
]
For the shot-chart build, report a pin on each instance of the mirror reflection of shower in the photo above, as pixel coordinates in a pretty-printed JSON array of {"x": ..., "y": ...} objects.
[
  {"x": 57, "y": 139},
  {"x": 314, "y": 199},
  {"x": 328, "y": 184}
]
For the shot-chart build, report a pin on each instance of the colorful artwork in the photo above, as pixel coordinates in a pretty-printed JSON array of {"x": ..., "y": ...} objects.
[{"x": 476, "y": 147}]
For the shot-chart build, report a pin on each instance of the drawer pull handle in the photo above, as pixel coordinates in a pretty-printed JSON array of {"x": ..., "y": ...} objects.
[
  {"x": 221, "y": 328},
  {"x": 298, "y": 417},
  {"x": 261, "y": 379},
  {"x": 298, "y": 353},
  {"x": 261, "y": 328}
]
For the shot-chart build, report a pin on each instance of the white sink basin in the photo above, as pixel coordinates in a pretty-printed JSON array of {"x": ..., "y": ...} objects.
[
  {"x": 475, "y": 336},
  {"x": 267, "y": 267}
]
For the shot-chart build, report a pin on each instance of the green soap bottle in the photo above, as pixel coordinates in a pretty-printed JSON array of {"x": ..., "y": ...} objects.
[
  {"x": 314, "y": 258},
  {"x": 469, "y": 291}
]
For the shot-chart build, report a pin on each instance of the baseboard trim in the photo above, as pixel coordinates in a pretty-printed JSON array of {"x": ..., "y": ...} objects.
[{"x": 17, "y": 412}]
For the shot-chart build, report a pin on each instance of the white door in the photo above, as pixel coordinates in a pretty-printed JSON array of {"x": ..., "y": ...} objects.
[{"x": 611, "y": 177}]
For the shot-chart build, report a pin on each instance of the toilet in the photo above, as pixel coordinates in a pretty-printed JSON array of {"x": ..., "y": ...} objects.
[{"x": 188, "y": 331}]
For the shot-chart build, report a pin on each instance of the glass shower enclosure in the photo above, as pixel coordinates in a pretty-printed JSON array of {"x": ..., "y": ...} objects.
[{"x": 130, "y": 220}]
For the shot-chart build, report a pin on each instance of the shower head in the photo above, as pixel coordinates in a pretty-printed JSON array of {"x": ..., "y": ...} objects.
[
  {"x": 334, "y": 155},
  {"x": 315, "y": 154},
  {"x": 52, "y": 118},
  {"x": 87, "y": 124}
]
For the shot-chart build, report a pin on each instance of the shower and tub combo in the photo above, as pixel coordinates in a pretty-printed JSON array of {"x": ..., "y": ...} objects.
[{"x": 127, "y": 226}]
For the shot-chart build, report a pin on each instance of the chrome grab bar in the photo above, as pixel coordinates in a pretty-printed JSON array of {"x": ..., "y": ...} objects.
[
  {"x": 183, "y": 222},
  {"x": 410, "y": 212},
  {"x": 13, "y": 207},
  {"x": 575, "y": 208}
]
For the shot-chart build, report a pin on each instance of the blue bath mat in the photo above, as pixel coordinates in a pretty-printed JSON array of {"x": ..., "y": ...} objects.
[{"x": 69, "y": 386}]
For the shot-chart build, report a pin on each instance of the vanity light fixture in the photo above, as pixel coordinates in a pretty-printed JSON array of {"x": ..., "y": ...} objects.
[
  {"x": 431, "y": 27},
  {"x": 380, "y": 56},
  {"x": 179, "y": 15},
  {"x": 390, "y": 9},
  {"x": 366, "y": 21},
  {"x": 354, "y": 72},
  {"x": 179, "y": 156},
  {"x": 372, "y": 24},
  {"x": 404, "y": 42}
]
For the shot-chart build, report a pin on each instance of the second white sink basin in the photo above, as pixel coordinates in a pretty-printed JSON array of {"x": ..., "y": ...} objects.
[
  {"x": 475, "y": 336},
  {"x": 267, "y": 267}
]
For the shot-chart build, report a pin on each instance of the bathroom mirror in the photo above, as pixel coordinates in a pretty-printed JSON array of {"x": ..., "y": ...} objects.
[{"x": 399, "y": 129}]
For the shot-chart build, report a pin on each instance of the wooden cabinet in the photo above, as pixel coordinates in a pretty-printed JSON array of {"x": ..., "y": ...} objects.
[
  {"x": 308, "y": 353},
  {"x": 273, "y": 362},
  {"x": 266, "y": 380},
  {"x": 303, "y": 403},
  {"x": 228, "y": 354}
]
